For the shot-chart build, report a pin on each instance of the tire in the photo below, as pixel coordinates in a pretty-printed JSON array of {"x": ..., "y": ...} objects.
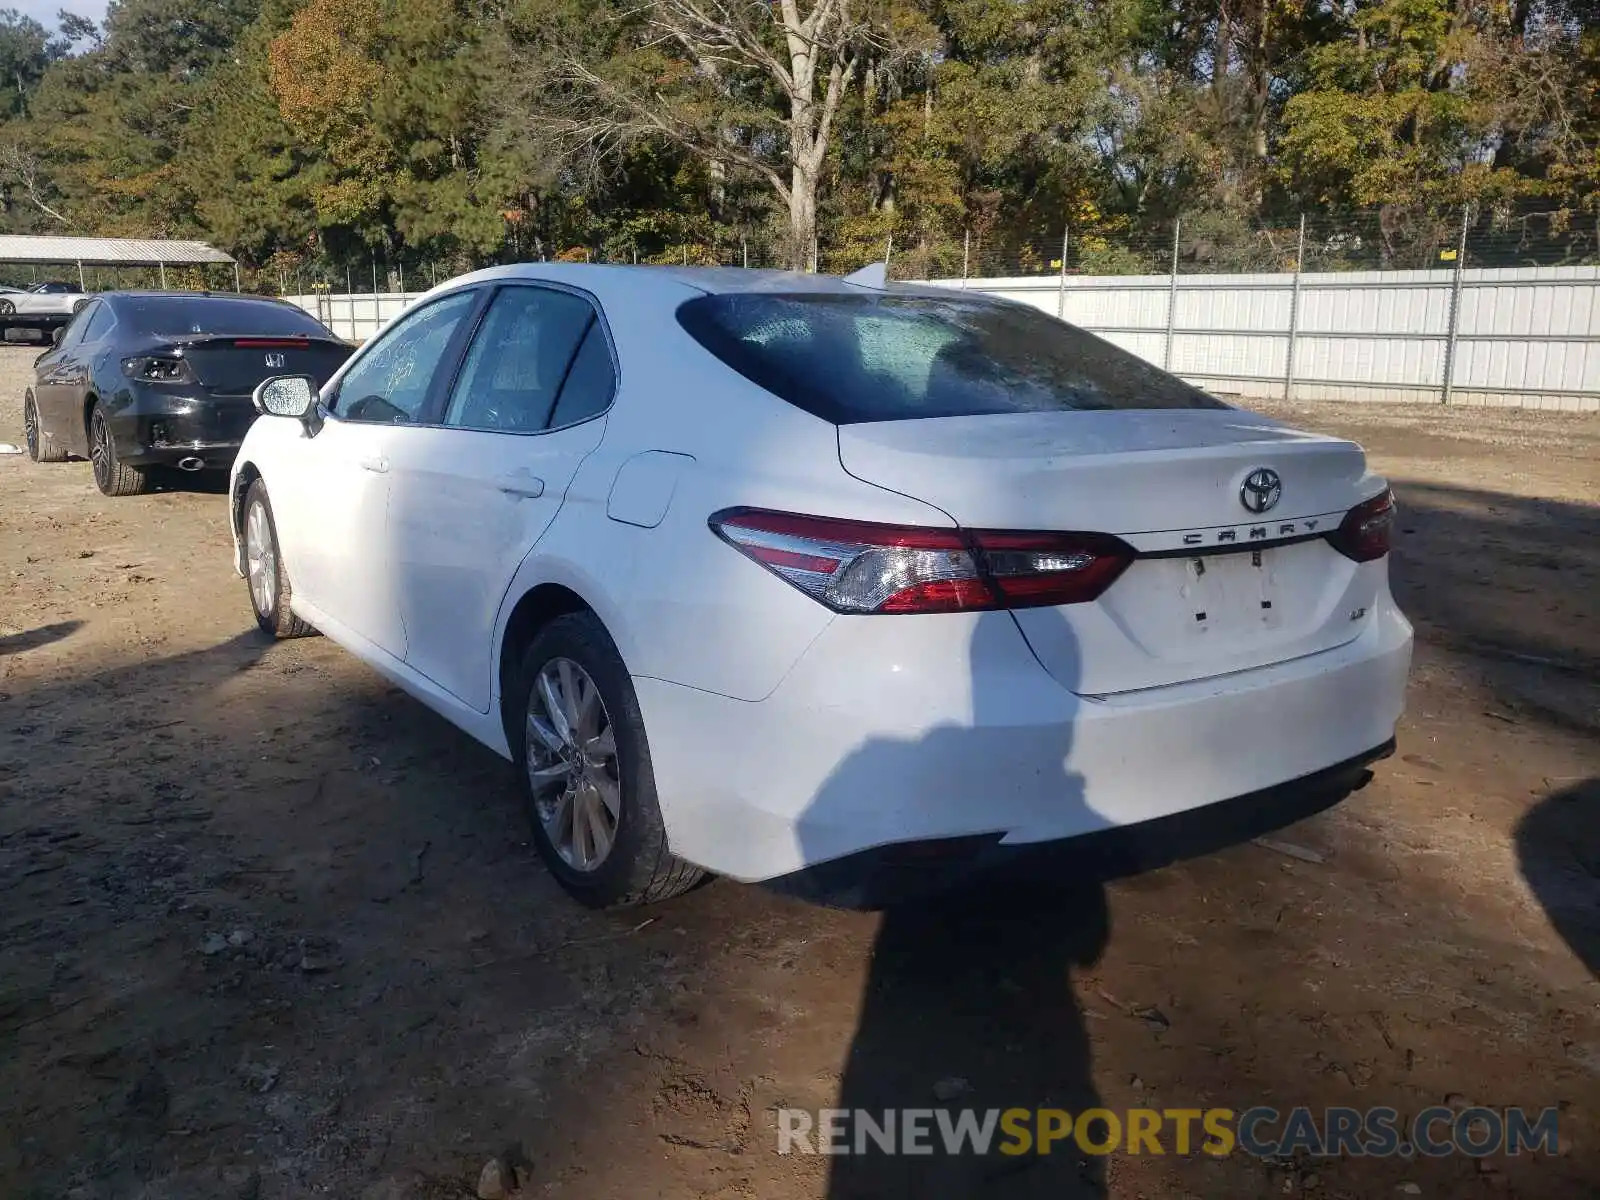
[
  {"x": 636, "y": 867},
  {"x": 265, "y": 575},
  {"x": 39, "y": 447},
  {"x": 7, "y": 308},
  {"x": 111, "y": 475}
]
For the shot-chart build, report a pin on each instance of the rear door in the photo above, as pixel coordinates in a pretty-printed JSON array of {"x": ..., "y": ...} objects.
[{"x": 473, "y": 493}]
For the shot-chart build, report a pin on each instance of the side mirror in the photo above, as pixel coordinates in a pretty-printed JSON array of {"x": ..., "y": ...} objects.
[
  {"x": 57, "y": 334},
  {"x": 286, "y": 396}
]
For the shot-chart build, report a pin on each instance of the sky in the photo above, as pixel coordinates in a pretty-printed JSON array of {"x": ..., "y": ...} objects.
[{"x": 44, "y": 11}]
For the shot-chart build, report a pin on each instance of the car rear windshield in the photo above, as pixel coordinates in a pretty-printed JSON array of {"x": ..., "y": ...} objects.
[
  {"x": 887, "y": 357},
  {"x": 178, "y": 316}
]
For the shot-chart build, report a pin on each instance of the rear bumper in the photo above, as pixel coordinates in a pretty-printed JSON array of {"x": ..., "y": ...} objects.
[
  {"x": 155, "y": 427},
  {"x": 892, "y": 731},
  {"x": 889, "y": 875}
]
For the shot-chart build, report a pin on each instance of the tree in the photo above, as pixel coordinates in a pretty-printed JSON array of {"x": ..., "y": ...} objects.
[
  {"x": 744, "y": 86},
  {"x": 26, "y": 52}
]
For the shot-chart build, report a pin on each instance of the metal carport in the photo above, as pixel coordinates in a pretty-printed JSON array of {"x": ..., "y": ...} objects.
[{"x": 111, "y": 252}]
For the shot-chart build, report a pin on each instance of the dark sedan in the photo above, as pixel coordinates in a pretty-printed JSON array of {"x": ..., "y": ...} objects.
[{"x": 152, "y": 379}]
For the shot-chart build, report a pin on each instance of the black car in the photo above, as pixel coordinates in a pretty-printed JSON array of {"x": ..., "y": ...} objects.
[{"x": 152, "y": 379}]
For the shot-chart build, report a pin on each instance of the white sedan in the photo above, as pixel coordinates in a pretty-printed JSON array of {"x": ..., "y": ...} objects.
[
  {"x": 42, "y": 304},
  {"x": 772, "y": 575}
]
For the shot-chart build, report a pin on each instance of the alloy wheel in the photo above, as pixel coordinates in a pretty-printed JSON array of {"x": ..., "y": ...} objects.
[
  {"x": 572, "y": 764},
  {"x": 30, "y": 428},
  {"x": 100, "y": 449},
  {"x": 7, "y": 308},
  {"x": 261, "y": 560}
]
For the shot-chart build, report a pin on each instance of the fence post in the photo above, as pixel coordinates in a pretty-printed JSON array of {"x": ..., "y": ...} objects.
[
  {"x": 888, "y": 253},
  {"x": 1294, "y": 310},
  {"x": 1455, "y": 309},
  {"x": 1172, "y": 294},
  {"x": 744, "y": 251},
  {"x": 1061, "y": 291},
  {"x": 966, "y": 251}
]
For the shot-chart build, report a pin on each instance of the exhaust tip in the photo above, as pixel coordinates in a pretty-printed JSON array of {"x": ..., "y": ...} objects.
[{"x": 191, "y": 463}]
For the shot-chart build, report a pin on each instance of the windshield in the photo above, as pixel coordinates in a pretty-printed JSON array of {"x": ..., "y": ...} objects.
[
  {"x": 887, "y": 357},
  {"x": 178, "y": 316}
]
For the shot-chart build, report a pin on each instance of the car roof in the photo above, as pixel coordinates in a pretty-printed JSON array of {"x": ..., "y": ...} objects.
[
  {"x": 708, "y": 280},
  {"x": 154, "y": 293}
]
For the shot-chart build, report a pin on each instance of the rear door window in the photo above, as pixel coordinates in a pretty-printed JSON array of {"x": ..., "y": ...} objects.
[
  {"x": 591, "y": 382},
  {"x": 518, "y": 360},
  {"x": 885, "y": 357}
]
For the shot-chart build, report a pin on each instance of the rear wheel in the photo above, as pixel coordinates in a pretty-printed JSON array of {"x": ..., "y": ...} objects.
[
  {"x": 7, "y": 309},
  {"x": 584, "y": 767},
  {"x": 39, "y": 447},
  {"x": 111, "y": 475},
  {"x": 264, "y": 570}
]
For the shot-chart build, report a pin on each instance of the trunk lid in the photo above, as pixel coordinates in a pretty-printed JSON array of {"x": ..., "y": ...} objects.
[
  {"x": 233, "y": 365},
  {"x": 1217, "y": 588}
]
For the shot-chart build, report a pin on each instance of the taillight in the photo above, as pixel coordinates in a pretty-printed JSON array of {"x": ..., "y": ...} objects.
[
  {"x": 1364, "y": 533},
  {"x": 155, "y": 368},
  {"x": 864, "y": 567}
]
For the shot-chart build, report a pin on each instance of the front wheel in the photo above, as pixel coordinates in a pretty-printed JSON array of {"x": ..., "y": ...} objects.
[
  {"x": 584, "y": 766},
  {"x": 7, "y": 309},
  {"x": 39, "y": 447},
  {"x": 264, "y": 570},
  {"x": 111, "y": 475}
]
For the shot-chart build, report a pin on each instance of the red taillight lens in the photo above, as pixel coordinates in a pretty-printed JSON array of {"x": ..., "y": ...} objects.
[
  {"x": 864, "y": 567},
  {"x": 1365, "y": 531}
]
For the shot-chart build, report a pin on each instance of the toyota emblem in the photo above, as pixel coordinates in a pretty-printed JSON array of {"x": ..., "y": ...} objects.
[{"x": 1260, "y": 490}]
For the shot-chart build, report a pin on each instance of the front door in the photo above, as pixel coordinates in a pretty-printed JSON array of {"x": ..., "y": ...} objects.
[
  {"x": 472, "y": 495},
  {"x": 338, "y": 544},
  {"x": 60, "y": 406}
]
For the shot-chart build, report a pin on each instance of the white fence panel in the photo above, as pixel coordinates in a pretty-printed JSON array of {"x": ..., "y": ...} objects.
[
  {"x": 354, "y": 317},
  {"x": 1526, "y": 336}
]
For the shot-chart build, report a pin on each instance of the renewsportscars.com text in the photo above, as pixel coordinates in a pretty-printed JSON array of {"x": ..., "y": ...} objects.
[{"x": 1260, "y": 1131}]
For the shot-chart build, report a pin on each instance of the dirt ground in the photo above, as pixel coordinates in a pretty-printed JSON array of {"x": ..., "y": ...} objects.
[{"x": 270, "y": 929}]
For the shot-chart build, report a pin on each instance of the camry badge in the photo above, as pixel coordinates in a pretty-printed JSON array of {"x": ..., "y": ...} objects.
[
  {"x": 278, "y": 360},
  {"x": 1260, "y": 490}
]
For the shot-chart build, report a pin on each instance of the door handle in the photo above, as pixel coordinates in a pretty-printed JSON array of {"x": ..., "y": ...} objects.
[
  {"x": 375, "y": 462},
  {"x": 522, "y": 486}
]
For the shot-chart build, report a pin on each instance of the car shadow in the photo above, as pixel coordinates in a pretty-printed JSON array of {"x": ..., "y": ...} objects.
[
  {"x": 173, "y": 479},
  {"x": 32, "y": 639},
  {"x": 968, "y": 1002},
  {"x": 1558, "y": 852}
]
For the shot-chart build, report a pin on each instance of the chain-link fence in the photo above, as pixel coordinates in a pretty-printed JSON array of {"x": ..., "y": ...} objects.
[{"x": 1207, "y": 243}]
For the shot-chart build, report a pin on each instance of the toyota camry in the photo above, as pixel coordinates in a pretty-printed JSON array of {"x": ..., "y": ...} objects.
[{"x": 760, "y": 574}]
